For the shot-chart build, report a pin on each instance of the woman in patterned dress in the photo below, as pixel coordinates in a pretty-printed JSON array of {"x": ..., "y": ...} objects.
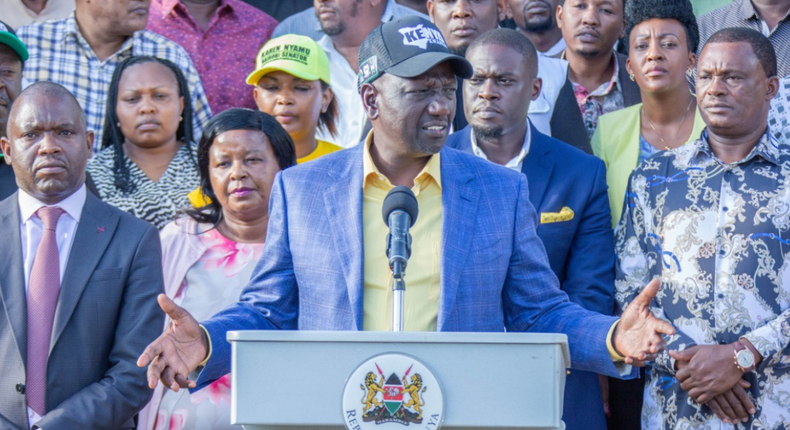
[
  {"x": 208, "y": 255},
  {"x": 147, "y": 164}
]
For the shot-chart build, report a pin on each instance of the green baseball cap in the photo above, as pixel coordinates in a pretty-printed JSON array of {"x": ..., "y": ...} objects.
[
  {"x": 297, "y": 55},
  {"x": 8, "y": 37}
]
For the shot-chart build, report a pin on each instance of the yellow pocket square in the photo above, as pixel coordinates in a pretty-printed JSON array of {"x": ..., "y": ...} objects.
[{"x": 566, "y": 214}]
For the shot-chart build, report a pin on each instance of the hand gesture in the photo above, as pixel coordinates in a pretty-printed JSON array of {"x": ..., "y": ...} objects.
[
  {"x": 178, "y": 351},
  {"x": 638, "y": 336}
]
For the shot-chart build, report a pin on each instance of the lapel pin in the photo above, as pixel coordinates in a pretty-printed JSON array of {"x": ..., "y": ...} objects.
[{"x": 100, "y": 230}]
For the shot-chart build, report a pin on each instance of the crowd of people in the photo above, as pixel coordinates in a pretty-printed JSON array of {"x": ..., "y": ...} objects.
[{"x": 615, "y": 170}]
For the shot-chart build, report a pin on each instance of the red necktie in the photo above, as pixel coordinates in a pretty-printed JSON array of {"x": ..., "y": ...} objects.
[{"x": 42, "y": 299}]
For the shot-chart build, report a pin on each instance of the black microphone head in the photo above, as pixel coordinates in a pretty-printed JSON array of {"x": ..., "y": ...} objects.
[{"x": 400, "y": 198}]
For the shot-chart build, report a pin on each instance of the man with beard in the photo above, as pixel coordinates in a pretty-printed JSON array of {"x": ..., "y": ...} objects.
[
  {"x": 598, "y": 82},
  {"x": 462, "y": 21},
  {"x": 536, "y": 19},
  {"x": 340, "y": 26},
  {"x": 566, "y": 186},
  {"x": 13, "y": 54}
]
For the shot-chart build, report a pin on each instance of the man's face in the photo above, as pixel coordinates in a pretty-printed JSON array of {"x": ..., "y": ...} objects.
[
  {"x": 10, "y": 82},
  {"x": 591, "y": 27},
  {"x": 534, "y": 16},
  {"x": 417, "y": 112},
  {"x": 496, "y": 97},
  {"x": 117, "y": 17},
  {"x": 461, "y": 21},
  {"x": 733, "y": 92},
  {"x": 48, "y": 146},
  {"x": 334, "y": 15}
]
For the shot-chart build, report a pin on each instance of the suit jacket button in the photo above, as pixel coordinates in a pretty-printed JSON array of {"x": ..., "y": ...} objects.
[{"x": 20, "y": 388}]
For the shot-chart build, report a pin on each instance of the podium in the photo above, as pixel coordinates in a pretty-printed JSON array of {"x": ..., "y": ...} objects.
[{"x": 295, "y": 380}]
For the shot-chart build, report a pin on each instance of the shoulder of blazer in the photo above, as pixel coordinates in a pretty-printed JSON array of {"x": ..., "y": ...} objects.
[
  {"x": 573, "y": 159},
  {"x": 618, "y": 127},
  {"x": 461, "y": 139}
]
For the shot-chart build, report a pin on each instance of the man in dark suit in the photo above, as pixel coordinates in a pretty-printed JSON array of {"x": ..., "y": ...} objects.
[
  {"x": 78, "y": 280},
  {"x": 566, "y": 186},
  {"x": 597, "y": 81},
  {"x": 13, "y": 54}
]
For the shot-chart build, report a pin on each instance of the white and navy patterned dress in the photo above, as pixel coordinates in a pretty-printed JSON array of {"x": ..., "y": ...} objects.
[
  {"x": 155, "y": 202},
  {"x": 718, "y": 235}
]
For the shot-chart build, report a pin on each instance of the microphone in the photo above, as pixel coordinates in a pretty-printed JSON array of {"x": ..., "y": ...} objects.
[{"x": 400, "y": 212}]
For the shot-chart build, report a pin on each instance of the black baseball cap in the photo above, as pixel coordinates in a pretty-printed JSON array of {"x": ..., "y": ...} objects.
[
  {"x": 406, "y": 47},
  {"x": 8, "y": 37}
]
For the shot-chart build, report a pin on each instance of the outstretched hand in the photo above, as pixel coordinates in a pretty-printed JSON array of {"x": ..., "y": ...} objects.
[
  {"x": 178, "y": 351},
  {"x": 638, "y": 336}
]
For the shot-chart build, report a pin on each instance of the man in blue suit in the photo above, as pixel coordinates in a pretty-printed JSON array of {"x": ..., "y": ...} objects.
[
  {"x": 566, "y": 186},
  {"x": 491, "y": 271}
]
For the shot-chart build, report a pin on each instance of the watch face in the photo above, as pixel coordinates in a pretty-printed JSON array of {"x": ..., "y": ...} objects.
[{"x": 745, "y": 358}]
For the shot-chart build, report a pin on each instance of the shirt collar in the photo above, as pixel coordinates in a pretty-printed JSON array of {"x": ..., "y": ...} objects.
[
  {"x": 169, "y": 5},
  {"x": 767, "y": 148},
  {"x": 72, "y": 205},
  {"x": 517, "y": 161},
  {"x": 614, "y": 82},
  {"x": 371, "y": 173}
]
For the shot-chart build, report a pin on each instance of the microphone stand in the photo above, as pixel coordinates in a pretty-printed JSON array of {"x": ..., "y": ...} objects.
[{"x": 398, "y": 289}]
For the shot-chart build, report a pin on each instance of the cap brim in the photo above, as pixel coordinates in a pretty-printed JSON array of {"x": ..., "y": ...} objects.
[
  {"x": 419, "y": 64},
  {"x": 14, "y": 43},
  {"x": 256, "y": 76}
]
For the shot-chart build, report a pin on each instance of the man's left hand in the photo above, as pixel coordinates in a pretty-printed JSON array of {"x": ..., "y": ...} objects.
[
  {"x": 638, "y": 336},
  {"x": 710, "y": 371}
]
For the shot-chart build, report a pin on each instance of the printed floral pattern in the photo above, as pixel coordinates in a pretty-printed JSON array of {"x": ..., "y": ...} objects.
[
  {"x": 718, "y": 235},
  {"x": 224, "y": 253}
]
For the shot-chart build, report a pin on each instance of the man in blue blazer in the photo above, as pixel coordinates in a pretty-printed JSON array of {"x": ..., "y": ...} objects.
[
  {"x": 494, "y": 274},
  {"x": 566, "y": 186}
]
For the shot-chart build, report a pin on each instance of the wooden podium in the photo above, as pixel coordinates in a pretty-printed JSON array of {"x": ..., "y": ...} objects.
[{"x": 294, "y": 380}]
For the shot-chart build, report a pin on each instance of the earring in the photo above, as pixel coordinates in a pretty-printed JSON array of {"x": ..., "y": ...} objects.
[
  {"x": 632, "y": 77},
  {"x": 180, "y": 118}
]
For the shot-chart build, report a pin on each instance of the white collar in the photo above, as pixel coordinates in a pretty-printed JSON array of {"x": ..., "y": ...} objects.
[
  {"x": 72, "y": 205},
  {"x": 517, "y": 161}
]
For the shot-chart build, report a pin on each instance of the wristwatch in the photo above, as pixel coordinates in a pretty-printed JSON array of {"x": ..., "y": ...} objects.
[{"x": 744, "y": 358}]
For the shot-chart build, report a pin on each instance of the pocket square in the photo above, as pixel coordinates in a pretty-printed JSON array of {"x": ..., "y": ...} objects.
[{"x": 566, "y": 214}]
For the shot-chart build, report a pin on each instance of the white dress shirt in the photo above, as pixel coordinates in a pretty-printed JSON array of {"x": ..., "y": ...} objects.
[
  {"x": 552, "y": 71},
  {"x": 517, "y": 162},
  {"x": 32, "y": 229}
]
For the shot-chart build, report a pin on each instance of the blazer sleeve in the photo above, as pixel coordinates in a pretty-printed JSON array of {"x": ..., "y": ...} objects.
[
  {"x": 115, "y": 399},
  {"x": 534, "y": 302},
  {"x": 269, "y": 302},
  {"x": 589, "y": 269}
]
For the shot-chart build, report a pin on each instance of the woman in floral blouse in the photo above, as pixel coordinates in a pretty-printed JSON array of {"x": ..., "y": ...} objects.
[{"x": 208, "y": 255}]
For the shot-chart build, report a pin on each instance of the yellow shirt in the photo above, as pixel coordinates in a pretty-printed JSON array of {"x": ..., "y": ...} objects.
[
  {"x": 423, "y": 275},
  {"x": 198, "y": 200},
  {"x": 322, "y": 148}
]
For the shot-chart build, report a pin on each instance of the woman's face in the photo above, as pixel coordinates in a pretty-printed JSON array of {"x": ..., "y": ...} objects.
[
  {"x": 659, "y": 55},
  {"x": 294, "y": 102},
  {"x": 241, "y": 169},
  {"x": 149, "y": 106}
]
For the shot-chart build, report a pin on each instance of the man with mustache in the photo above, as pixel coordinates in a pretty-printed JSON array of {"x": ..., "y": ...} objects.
[
  {"x": 340, "y": 26},
  {"x": 537, "y": 20},
  {"x": 462, "y": 21},
  {"x": 78, "y": 280},
  {"x": 598, "y": 82},
  {"x": 81, "y": 52},
  {"x": 476, "y": 264},
  {"x": 13, "y": 54},
  {"x": 710, "y": 218},
  {"x": 566, "y": 186}
]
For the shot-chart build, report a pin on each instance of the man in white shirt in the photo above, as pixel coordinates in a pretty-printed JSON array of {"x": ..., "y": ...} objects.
[
  {"x": 17, "y": 13},
  {"x": 537, "y": 20},
  {"x": 75, "y": 325},
  {"x": 340, "y": 26}
]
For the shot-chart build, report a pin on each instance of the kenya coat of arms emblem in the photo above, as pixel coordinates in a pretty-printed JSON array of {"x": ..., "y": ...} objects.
[{"x": 389, "y": 396}]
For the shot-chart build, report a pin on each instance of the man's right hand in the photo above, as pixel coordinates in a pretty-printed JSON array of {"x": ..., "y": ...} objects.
[
  {"x": 178, "y": 351},
  {"x": 731, "y": 406}
]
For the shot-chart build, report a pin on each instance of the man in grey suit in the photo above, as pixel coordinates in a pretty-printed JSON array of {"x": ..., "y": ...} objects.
[{"x": 78, "y": 280}]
